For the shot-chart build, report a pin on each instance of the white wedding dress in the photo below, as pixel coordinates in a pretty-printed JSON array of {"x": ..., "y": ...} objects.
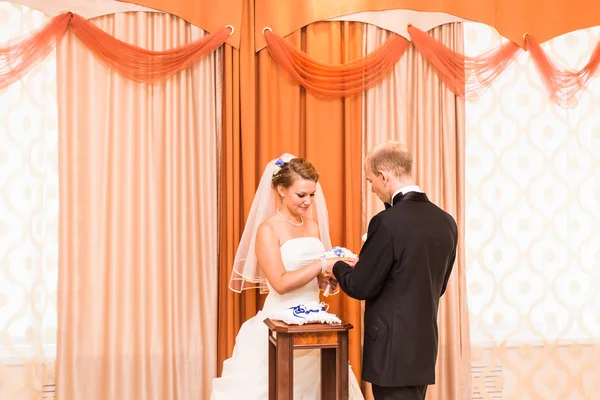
[{"x": 245, "y": 374}]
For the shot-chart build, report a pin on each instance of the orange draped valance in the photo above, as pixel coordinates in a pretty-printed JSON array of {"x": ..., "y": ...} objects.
[
  {"x": 543, "y": 19},
  {"x": 465, "y": 76},
  {"x": 133, "y": 62},
  {"x": 562, "y": 86},
  {"x": 210, "y": 15},
  {"x": 461, "y": 74},
  {"x": 337, "y": 80}
]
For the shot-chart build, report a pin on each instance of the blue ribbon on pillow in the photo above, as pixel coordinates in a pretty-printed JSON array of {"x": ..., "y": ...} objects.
[{"x": 301, "y": 312}]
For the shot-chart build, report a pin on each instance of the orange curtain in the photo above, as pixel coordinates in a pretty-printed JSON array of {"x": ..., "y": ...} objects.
[
  {"x": 138, "y": 214},
  {"x": 286, "y": 118},
  {"x": 325, "y": 131},
  {"x": 237, "y": 184}
]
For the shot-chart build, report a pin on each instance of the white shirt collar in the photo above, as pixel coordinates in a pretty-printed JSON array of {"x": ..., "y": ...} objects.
[{"x": 406, "y": 189}]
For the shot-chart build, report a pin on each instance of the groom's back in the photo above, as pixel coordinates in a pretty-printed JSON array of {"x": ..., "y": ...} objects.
[{"x": 401, "y": 321}]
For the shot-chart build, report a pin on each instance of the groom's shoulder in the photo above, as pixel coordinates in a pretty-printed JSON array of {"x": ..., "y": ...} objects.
[
  {"x": 443, "y": 213},
  {"x": 443, "y": 218},
  {"x": 451, "y": 221},
  {"x": 409, "y": 210},
  {"x": 382, "y": 219}
]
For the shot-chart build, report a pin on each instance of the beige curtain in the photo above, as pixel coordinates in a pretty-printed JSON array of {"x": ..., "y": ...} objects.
[
  {"x": 414, "y": 107},
  {"x": 532, "y": 218},
  {"x": 138, "y": 221},
  {"x": 28, "y": 220}
]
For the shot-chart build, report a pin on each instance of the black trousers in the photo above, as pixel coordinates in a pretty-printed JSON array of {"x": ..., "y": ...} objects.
[{"x": 400, "y": 392}]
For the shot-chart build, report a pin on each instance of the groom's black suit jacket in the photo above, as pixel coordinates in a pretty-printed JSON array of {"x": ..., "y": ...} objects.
[{"x": 402, "y": 271}]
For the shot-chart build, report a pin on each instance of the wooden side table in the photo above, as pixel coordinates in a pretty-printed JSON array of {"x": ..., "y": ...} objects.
[{"x": 332, "y": 340}]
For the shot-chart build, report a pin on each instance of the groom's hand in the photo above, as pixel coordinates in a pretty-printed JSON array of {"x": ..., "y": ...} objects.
[
  {"x": 331, "y": 262},
  {"x": 350, "y": 261}
]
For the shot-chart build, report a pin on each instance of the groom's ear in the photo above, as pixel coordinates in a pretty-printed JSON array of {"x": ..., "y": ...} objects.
[{"x": 384, "y": 176}]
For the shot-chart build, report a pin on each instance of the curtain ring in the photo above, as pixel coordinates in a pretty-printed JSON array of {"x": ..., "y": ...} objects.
[
  {"x": 266, "y": 28},
  {"x": 232, "y": 29},
  {"x": 525, "y": 37}
]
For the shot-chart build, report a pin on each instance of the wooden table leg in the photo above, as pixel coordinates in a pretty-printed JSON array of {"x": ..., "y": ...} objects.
[
  {"x": 342, "y": 366},
  {"x": 272, "y": 368},
  {"x": 328, "y": 372},
  {"x": 285, "y": 367}
]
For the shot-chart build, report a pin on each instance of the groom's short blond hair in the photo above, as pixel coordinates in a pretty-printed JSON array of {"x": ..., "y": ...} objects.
[{"x": 390, "y": 156}]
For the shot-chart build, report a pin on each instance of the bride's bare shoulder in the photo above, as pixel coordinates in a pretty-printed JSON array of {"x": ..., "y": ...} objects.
[
  {"x": 268, "y": 229},
  {"x": 271, "y": 223}
]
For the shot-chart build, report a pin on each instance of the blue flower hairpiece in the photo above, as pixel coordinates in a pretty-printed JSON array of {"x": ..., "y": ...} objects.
[{"x": 279, "y": 163}]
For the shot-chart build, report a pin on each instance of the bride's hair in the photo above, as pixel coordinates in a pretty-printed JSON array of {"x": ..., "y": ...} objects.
[{"x": 295, "y": 168}]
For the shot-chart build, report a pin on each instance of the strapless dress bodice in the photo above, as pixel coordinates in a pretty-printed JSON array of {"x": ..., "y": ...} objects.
[{"x": 295, "y": 254}]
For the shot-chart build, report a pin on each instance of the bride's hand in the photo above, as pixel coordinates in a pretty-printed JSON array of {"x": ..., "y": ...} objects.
[
  {"x": 328, "y": 281},
  {"x": 323, "y": 281},
  {"x": 334, "y": 286}
]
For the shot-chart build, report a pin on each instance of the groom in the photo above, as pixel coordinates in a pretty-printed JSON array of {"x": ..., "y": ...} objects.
[{"x": 402, "y": 271}]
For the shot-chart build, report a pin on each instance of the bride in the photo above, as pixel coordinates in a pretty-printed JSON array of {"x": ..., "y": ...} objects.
[{"x": 286, "y": 232}]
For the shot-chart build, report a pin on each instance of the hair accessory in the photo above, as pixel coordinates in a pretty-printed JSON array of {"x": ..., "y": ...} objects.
[{"x": 279, "y": 163}]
